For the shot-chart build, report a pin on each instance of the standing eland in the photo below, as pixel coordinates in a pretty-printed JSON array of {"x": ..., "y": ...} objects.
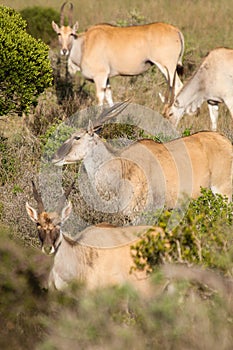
[
  {"x": 147, "y": 174},
  {"x": 98, "y": 256},
  {"x": 104, "y": 51},
  {"x": 211, "y": 82}
]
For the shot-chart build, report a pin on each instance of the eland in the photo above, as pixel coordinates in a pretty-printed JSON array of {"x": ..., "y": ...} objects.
[
  {"x": 147, "y": 174},
  {"x": 105, "y": 51},
  {"x": 98, "y": 256},
  {"x": 211, "y": 82}
]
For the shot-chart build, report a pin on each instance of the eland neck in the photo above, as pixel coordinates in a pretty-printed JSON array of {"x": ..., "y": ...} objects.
[
  {"x": 97, "y": 157},
  {"x": 77, "y": 50}
]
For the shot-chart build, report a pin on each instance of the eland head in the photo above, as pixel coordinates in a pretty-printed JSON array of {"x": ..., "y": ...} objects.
[
  {"x": 66, "y": 34},
  {"x": 49, "y": 223}
]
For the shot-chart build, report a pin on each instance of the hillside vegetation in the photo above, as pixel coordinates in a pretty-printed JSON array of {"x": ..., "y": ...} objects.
[{"x": 191, "y": 309}]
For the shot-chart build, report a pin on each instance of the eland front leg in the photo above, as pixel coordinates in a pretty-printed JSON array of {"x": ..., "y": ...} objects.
[
  {"x": 213, "y": 111},
  {"x": 103, "y": 90}
]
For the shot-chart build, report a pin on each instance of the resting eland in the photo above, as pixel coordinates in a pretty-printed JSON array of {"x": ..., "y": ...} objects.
[
  {"x": 98, "y": 256},
  {"x": 105, "y": 51}
]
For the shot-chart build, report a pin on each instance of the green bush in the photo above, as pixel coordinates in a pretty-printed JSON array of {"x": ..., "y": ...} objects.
[
  {"x": 203, "y": 235},
  {"x": 39, "y": 21},
  {"x": 25, "y": 69}
]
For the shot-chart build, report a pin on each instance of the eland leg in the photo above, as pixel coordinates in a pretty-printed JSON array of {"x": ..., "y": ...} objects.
[
  {"x": 169, "y": 75},
  {"x": 103, "y": 90},
  {"x": 108, "y": 94},
  {"x": 213, "y": 111}
]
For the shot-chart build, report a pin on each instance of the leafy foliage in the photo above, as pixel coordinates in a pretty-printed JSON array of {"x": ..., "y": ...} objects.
[
  {"x": 39, "y": 21},
  {"x": 25, "y": 69},
  {"x": 202, "y": 236},
  {"x": 55, "y": 135}
]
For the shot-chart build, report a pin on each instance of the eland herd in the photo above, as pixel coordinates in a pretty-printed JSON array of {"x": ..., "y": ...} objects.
[{"x": 146, "y": 174}]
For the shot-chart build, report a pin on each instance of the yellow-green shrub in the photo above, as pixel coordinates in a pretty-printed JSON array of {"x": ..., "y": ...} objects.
[
  {"x": 25, "y": 69},
  {"x": 203, "y": 235}
]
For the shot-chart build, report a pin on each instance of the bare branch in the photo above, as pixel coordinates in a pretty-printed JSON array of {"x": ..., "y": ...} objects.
[{"x": 200, "y": 275}]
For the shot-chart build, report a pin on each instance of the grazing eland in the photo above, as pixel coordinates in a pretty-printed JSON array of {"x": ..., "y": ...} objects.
[
  {"x": 147, "y": 174},
  {"x": 105, "y": 51},
  {"x": 98, "y": 256},
  {"x": 211, "y": 82}
]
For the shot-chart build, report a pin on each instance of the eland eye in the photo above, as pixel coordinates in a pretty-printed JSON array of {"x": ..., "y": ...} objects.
[{"x": 77, "y": 137}]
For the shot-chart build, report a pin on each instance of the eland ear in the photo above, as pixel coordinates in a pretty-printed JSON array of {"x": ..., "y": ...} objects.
[
  {"x": 75, "y": 27},
  {"x": 66, "y": 212},
  {"x": 55, "y": 27},
  {"x": 32, "y": 213}
]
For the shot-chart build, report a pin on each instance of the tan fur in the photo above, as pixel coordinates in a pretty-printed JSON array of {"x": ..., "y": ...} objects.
[
  {"x": 211, "y": 82},
  {"x": 99, "y": 256},
  {"x": 89, "y": 260},
  {"x": 190, "y": 163},
  {"x": 104, "y": 51},
  {"x": 157, "y": 174}
]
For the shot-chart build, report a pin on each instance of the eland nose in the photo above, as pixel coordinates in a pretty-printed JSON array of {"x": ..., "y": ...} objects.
[
  {"x": 64, "y": 52},
  {"x": 48, "y": 249}
]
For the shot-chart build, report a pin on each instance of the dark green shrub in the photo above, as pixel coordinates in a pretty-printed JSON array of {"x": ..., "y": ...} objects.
[
  {"x": 204, "y": 235},
  {"x": 39, "y": 21},
  {"x": 25, "y": 69}
]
